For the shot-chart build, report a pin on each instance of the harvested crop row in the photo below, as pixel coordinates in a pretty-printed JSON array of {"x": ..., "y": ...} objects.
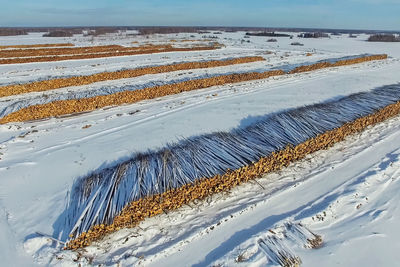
[
  {"x": 35, "y": 45},
  {"x": 75, "y": 50},
  {"x": 322, "y": 65},
  {"x": 131, "y": 52},
  {"x": 64, "y": 107},
  {"x": 123, "y": 74},
  {"x": 172, "y": 199}
]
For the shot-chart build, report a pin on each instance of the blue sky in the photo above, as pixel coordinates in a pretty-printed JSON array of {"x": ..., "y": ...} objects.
[{"x": 346, "y": 14}]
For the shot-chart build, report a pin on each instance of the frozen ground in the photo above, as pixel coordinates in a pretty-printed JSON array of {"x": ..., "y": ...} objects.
[{"x": 347, "y": 194}]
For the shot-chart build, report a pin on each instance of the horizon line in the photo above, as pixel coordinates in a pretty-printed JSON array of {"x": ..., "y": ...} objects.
[{"x": 214, "y": 26}]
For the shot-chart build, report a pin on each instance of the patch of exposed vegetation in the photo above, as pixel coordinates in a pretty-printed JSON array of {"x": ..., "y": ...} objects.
[{"x": 58, "y": 34}]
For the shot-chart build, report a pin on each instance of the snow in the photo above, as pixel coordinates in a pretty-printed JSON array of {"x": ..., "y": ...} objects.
[{"x": 41, "y": 160}]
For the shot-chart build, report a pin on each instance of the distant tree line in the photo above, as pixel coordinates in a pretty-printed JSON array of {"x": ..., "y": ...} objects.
[
  {"x": 70, "y": 32},
  {"x": 269, "y": 34},
  {"x": 383, "y": 38},
  {"x": 12, "y": 31},
  {"x": 313, "y": 35},
  {"x": 58, "y": 34},
  {"x": 166, "y": 30},
  {"x": 102, "y": 31}
]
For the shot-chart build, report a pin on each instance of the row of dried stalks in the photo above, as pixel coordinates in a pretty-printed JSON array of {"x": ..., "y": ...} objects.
[
  {"x": 74, "y": 50},
  {"x": 111, "y": 53},
  {"x": 64, "y": 107},
  {"x": 137, "y": 211},
  {"x": 45, "y": 85},
  {"x": 34, "y": 46},
  {"x": 322, "y": 65}
]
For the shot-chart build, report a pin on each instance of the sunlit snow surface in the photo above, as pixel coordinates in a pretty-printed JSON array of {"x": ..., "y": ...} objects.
[{"x": 40, "y": 161}]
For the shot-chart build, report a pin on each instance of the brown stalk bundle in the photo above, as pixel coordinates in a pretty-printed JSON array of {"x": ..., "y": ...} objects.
[
  {"x": 344, "y": 62},
  {"x": 127, "y": 52},
  {"x": 35, "y": 45},
  {"x": 137, "y": 211},
  {"x": 74, "y": 51},
  {"x": 64, "y": 107},
  {"x": 105, "y": 76}
]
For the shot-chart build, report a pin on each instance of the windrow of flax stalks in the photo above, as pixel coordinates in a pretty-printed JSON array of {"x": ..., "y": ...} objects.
[
  {"x": 45, "y": 85},
  {"x": 151, "y": 183},
  {"x": 65, "y": 107},
  {"x": 351, "y": 61},
  {"x": 74, "y": 50},
  {"x": 34, "y": 46},
  {"x": 111, "y": 53}
]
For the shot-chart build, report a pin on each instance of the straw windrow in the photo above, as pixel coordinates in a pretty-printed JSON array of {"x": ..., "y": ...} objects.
[
  {"x": 127, "y": 51},
  {"x": 45, "y": 85},
  {"x": 35, "y": 46},
  {"x": 64, "y": 107},
  {"x": 51, "y": 51},
  {"x": 152, "y": 183}
]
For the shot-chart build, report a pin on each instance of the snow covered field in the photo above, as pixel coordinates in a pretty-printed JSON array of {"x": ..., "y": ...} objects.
[{"x": 347, "y": 194}]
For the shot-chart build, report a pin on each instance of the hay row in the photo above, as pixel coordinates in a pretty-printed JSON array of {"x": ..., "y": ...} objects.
[
  {"x": 130, "y": 52},
  {"x": 123, "y": 74},
  {"x": 322, "y": 65},
  {"x": 35, "y": 45},
  {"x": 360, "y": 107},
  {"x": 75, "y": 50},
  {"x": 64, "y": 107}
]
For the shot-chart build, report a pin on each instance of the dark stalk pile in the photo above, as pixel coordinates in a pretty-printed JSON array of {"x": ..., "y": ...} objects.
[{"x": 157, "y": 181}]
